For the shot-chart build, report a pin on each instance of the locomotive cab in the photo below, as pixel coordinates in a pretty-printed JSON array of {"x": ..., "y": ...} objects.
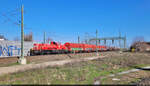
[{"x": 54, "y": 43}]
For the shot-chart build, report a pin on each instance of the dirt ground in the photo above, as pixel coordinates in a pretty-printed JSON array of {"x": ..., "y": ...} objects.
[{"x": 43, "y": 58}]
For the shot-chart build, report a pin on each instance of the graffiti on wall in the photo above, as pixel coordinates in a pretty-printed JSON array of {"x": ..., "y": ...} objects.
[{"x": 9, "y": 50}]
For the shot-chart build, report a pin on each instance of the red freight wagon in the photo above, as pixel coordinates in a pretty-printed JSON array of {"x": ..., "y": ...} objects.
[
  {"x": 89, "y": 48},
  {"x": 103, "y": 48}
]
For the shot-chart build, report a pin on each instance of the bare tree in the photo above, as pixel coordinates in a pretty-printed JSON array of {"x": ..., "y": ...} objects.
[
  {"x": 138, "y": 39},
  {"x": 49, "y": 39},
  {"x": 16, "y": 39},
  {"x": 28, "y": 37},
  {"x": 3, "y": 37},
  {"x": 138, "y": 44}
]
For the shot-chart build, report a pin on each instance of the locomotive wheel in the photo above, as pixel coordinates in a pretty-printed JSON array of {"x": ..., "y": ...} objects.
[{"x": 42, "y": 53}]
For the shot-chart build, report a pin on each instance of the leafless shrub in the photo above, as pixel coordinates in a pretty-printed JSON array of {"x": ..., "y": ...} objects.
[
  {"x": 17, "y": 39},
  {"x": 28, "y": 37},
  {"x": 49, "y": 39},
  {"x": 140, "y": 45},
  {"x": 138, "y": 39},
  {"x": 3, "y": 37}
]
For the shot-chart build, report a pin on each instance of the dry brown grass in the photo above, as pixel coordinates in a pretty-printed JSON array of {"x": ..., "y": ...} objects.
[{"x": 80, "y": 73}]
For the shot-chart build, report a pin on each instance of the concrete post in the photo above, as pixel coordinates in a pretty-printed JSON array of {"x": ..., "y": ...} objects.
[{"x": 22, "y": 60}]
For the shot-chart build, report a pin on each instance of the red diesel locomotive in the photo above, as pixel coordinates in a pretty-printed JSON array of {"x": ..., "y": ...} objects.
[{"x": 54, "y": 47}]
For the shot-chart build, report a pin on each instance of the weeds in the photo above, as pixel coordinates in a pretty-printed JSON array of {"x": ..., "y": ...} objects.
[{"x": 78, "y": 73}]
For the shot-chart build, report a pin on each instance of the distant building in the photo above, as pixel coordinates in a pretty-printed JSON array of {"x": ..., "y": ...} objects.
[{"x": 141, "y": 46}]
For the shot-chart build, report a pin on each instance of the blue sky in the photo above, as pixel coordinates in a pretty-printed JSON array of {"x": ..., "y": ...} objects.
[{"x": 64, "y": 20}]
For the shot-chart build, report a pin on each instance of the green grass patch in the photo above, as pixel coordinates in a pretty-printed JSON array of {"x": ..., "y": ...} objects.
[{"x": 84, "y": 74}]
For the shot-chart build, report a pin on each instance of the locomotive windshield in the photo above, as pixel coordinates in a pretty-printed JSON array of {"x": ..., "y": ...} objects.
[{"x": 55, "y": 43}]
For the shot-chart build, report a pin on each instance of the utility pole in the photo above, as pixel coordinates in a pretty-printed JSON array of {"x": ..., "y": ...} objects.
[
  {"x": 44, "y": 37},
  {"x": 22, "y": 60},
  {"x": 120, "y": 42},
  {"x": 78, "y": 39},
  {"x": 125, "y": 42},
  {"x": 22, "y": 34},
  {"x": 96, "y": 42},
  {"x": 119, "y": 39}
]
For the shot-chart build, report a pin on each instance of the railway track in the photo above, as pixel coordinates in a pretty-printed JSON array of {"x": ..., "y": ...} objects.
[{"x": 43, "y": 58}]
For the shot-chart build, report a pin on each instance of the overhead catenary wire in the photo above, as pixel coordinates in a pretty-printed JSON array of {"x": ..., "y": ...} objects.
[{"x": 14, "y": 17}]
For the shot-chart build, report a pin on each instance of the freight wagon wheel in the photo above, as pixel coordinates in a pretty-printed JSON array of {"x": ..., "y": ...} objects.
[
  {"x": 65, "y": 52},
  {"x": 62, "y": 51},
  {"x": 59, "y": 51}
]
